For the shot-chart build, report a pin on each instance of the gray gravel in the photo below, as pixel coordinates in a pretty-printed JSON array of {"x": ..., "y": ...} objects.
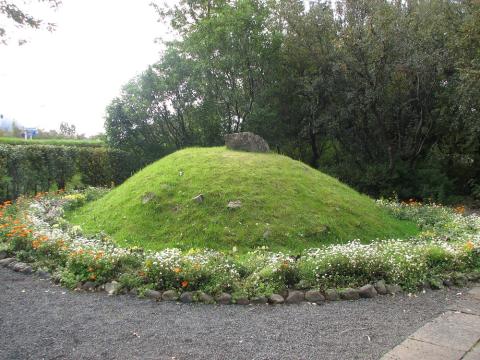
[{"x": 39, "y": 320}]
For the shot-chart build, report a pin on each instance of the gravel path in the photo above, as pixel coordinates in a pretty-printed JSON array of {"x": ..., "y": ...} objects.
[{"x": 39, "y": 320}]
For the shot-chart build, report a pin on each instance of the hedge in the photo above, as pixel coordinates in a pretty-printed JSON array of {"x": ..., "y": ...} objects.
[
  {"x": 28, "y": 169},
  {"x": 57, "y": 142}
]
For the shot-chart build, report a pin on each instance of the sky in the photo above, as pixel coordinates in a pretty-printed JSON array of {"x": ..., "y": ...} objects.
[{"x": 73, "y": 73}]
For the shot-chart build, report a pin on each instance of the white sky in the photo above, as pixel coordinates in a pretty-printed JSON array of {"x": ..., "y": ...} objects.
[{"x": 73, "y": 73}]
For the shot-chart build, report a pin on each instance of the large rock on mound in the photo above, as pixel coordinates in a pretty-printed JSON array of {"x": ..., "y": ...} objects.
[{"x": 246, "y": 141}]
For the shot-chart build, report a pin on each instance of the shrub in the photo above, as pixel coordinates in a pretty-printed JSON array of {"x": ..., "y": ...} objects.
[{"x": 28, "y": 169}]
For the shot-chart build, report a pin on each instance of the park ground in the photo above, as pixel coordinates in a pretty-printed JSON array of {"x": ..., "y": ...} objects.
[{"x": 39, "y": 320}]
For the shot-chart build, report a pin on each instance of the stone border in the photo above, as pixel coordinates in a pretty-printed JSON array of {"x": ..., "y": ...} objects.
[
  {"x": 451, "y": 336},
  {"x": 287, "y": 297}
]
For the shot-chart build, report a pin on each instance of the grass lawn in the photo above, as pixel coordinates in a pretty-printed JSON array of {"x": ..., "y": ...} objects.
[
  {"x": 286, "y": 205},
  {"x": 65, "y": 142}
]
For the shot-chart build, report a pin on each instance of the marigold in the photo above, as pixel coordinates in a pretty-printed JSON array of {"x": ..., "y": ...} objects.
[
  {"x": 469, "y": 245},
  {"x": 184, "y": 284},
  {"x": 177, "y": 270}
]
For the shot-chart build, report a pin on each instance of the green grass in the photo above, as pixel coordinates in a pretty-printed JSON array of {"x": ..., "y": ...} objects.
[
  {"x": 297, "y": 206},
  {"x": 64, "y": 142}
]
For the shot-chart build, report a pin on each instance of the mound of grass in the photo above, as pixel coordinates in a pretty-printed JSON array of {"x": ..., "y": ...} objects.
[
  {"x": 285, "y": 205},
  {"x": 58, "y": 142}
]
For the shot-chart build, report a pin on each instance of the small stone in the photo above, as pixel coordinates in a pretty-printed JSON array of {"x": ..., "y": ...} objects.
[
  {"x": 314, "y": 296},
  {"x": 133, "y": 292},
  {"x": 224, "y": 299},
  {"x": 153, "y": 294},
  {"x": 460, "y": 280},
  {"x": 148, "y": 197},
  {"x": 19, "y": 266},
  {"x": 3, "y": 254},
  {"x": 236, "y": 204},
  {"x": 12, "y": 264},
  {"x": 199, "y": 198},
  {"x": 42, "y": 274},
  {"x": 380, "y": 287},
  {"x": 89, "y": 286},
  {"x": 473, "y": 276},
  {"x": 425, "y": 285},
  {"x": 259, "y": 300},
  {"x": 170, "y": 295},
  {"x": 6, "y": 261},
  {"x": 242, "y": 301},
  {"x": 332, "y": 295},
  {"x": 112, "y": 287},
  {"x": 448, "y": 283},
  {"x": 295, "y": 297},
  {"x": 27, "y": 270},
  {"x": 276, "y": 299},
  {"x": 349, "y": 294},
  {"x": 436, "y": 284},
  {"x": 393, "y": 289},
  {"x": 266, "y": 234},
  {"x": 367, "y": 291},
  {"x": 205, "y": 298},
  {"x": 186, "y": 297}
]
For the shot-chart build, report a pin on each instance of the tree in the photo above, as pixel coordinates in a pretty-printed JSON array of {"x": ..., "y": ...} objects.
[
  {"x": 67, "y": 130},
  {"x": 21, "y": 18}
]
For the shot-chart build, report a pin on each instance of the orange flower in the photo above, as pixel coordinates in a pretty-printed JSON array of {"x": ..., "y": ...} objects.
[
  {"x": 460, "y": 209},
  {"x": 93, "y": 277},
  {"x": 141, "y": 273},
  {"x": 36, "y": 244},
  {"x": 469, "y": 245},
  {"x": 177, "y": 270},
  {"x": 184, "y": 284}
]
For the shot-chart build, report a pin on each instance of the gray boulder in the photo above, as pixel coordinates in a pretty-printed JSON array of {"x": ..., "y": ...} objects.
[
  {"x": 236, "y": 204},
  {"x": 380, "y": 287},
  {"x": 7, "y": 261},
  {"x": 367, "y": 291},
  {"x": 331, "y": 295},
  {"x": 259, "y": 300},
  {"x": 3, "y": 254},
  {"x": 112, "y": 288},
  {"x": 153, "y": 294},
  {"x": 295, "y": 297},
  {"x": 88, "y": 286},
  {"x": 314, "y": 296},
  {"x": 393, "y": 289},
  {"x": 349, "y": 294},
  {"x": 242, "y": 301},
  {"x": 42, "y": 274},
  {"x": 205, "y": 298},
  {"x": 186, "y": 297},
  {"x": 224, "y": 299},
  {"x": 246, "y": 141},
  {"x": 170, "y": 295},
  {"x": 276, "y": 299}
]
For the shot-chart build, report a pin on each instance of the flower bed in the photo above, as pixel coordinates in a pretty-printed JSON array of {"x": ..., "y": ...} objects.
[{"x": 446, "y": 251}]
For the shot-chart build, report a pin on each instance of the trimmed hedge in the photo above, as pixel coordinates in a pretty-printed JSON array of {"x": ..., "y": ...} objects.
[
  {"x": 56, "y": 142},
  {"x": 28, "y": 169}
]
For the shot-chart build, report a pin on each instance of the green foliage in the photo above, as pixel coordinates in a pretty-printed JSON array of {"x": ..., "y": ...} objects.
[
  {"x": 56, "y": 142},
  {"x": 31, "y": 169},
  {"x": 285, "y": 205},
  {"x": 381, "y": 94},
  {"x": 429, "y": 257}
]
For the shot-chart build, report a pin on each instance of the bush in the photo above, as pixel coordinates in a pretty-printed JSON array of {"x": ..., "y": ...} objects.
[{"x": 29, "y": 169}]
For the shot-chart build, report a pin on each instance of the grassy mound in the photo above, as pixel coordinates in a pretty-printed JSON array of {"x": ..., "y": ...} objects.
[{"x": 286, "y": 205}]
